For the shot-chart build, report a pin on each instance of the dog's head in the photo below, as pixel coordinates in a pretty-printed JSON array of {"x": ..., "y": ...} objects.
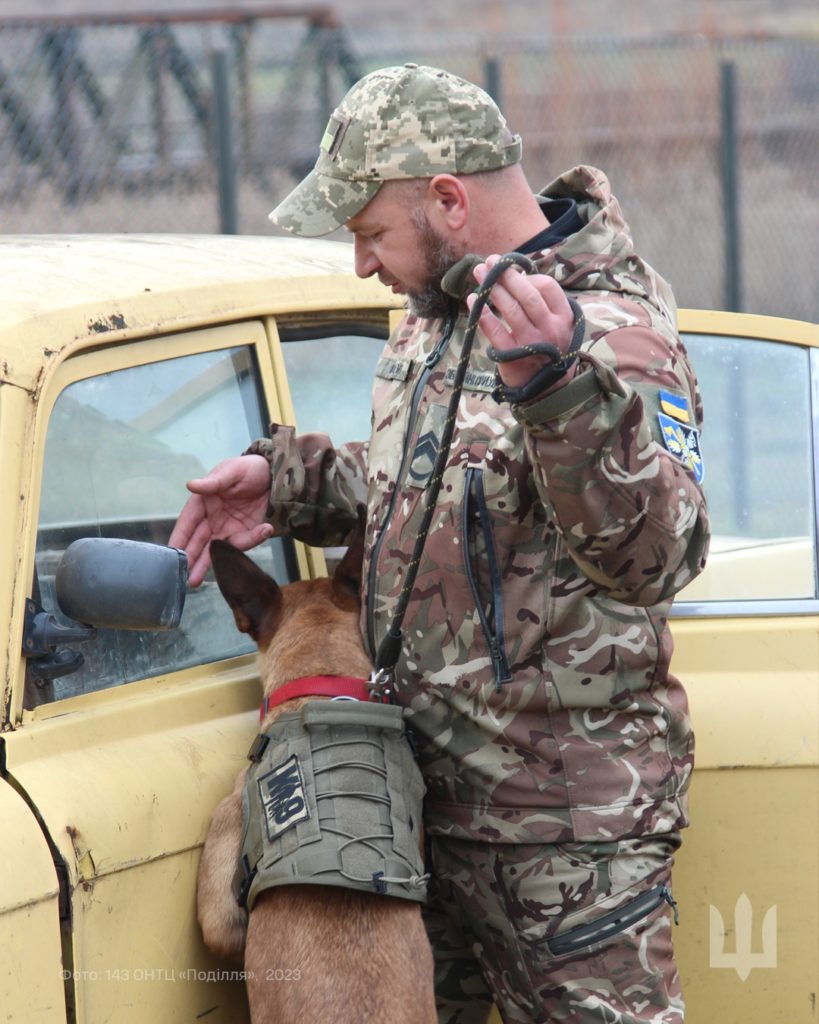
[{"x": 305, "y": 628}]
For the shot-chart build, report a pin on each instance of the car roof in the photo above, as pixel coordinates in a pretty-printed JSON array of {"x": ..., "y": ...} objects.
[{"x": 68, "y": 291}]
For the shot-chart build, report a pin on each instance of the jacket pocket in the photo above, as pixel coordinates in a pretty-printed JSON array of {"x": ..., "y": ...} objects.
[
  {"x": 610, "y": 924},
  {"x": 477, "y": 526}
]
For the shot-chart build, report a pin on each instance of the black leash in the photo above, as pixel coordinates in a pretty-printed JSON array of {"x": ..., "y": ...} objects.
[{"x": 389, "y": 650}]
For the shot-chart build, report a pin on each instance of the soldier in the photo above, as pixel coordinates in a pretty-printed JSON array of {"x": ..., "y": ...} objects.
[{"x": 555, "y": 745}]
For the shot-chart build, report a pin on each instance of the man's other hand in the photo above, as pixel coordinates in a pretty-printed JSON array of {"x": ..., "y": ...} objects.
[{"x": 230, "y": 503}]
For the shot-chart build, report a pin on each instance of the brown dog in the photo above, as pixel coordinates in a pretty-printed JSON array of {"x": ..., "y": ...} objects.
[{"x": 311, "y": 952}]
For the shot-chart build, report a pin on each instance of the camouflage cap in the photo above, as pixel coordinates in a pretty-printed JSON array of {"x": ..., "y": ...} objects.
[{"x": 398, "y": 122}]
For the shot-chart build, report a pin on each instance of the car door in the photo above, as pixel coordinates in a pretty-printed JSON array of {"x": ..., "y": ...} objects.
[
  {"x": 122, "y": 752},
  {"x": 747, "y": 649}
]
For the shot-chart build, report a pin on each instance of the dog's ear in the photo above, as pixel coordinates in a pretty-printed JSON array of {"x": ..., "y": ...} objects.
[
  {"x": 347, "y": 577},
  {"x": 254, "y": 597}
]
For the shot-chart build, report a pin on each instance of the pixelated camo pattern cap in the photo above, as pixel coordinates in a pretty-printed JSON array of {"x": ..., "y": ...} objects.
[{"x": 398, "y": 122}]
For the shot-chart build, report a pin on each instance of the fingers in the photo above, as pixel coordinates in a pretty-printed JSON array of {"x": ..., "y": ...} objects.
[
  {"x": 197, "y": 550},
  {"x": 189, "y": 519},
  {"x": 224, "y": 477},
  {"x": 246, "y": 539},
  {"x": 529, "y": 309},
  {"x": 222, "y": 504}
]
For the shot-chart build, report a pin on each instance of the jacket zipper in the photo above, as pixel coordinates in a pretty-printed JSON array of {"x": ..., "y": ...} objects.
[
  {"x": 430, "y": 362},
  {"x": 615, "y": 921},
  {"x": 493, "y": 630}
]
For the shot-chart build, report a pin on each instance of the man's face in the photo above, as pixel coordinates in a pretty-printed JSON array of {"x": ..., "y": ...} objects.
[{"x": 394, "y": 239}]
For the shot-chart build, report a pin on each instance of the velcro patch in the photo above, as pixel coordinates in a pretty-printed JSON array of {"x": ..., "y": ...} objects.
[
  {"x": 426, "y": 447},
  {"x": 675, "y": 405},
  {"x": 683, "y": 441},
  {"x": 282, "y": 794},
  {"x": 393, "y": 369},
  {"x": 475, "y": 380},
  {"x": 334, "y": 134}
]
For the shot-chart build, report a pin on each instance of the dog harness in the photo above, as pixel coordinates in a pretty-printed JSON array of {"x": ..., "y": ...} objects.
[{"x": 333, "y": 797}]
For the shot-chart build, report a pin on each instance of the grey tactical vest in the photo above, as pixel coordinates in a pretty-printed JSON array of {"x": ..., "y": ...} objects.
[{"x": 333, "y": 797}]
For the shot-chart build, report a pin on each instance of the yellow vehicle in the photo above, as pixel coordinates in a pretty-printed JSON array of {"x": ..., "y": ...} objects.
[{"x": 130, "y": 364}]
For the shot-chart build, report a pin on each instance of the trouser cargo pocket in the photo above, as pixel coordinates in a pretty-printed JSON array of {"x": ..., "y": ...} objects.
[{"x": 609, "y": 924}]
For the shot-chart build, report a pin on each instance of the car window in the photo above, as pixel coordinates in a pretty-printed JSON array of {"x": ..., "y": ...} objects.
[
  {"x": 119, "y": 449},
  {"x": 330, "y": 374},
  {"x": 330, "y": 379},
  {"x": 757, "y": 447}
]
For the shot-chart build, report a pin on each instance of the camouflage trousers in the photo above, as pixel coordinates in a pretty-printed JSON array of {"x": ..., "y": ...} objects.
[{"x": 576, "y": 933}]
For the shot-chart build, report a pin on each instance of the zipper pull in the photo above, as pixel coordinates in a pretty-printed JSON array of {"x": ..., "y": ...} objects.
[
  {"x": 666, "y": 894},
  {"x": 502, "y": 673},
  {"x": 435, "y": 354},
  {"x": 438, "y": 351}
]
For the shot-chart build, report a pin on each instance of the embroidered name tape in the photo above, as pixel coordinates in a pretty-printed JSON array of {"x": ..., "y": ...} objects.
[
  {"x": 393, "y": 369},
  {"x": 282, "y": 794},
  {"x": 475, "y": 380}
]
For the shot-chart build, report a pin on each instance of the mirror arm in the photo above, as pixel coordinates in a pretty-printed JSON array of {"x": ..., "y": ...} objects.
[{"x": 42, "y": 633}]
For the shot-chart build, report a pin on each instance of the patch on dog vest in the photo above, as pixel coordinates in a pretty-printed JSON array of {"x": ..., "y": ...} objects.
[{"x": 281, "y": 792}]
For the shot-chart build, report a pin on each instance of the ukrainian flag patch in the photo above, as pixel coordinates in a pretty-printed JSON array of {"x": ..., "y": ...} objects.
[
  {"x": 675, "y": 405},
  {"x": 683, "y": 441}
]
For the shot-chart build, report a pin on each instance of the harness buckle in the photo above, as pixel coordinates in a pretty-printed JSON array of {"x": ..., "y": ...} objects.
[{"x": 380, "y": 685}]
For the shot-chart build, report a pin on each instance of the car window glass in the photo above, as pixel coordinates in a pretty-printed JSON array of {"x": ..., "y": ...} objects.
[
  {"x": 756, "y": 441},
  {"x": 119, "y": 449},
  {"x": 330, "y": 381}
]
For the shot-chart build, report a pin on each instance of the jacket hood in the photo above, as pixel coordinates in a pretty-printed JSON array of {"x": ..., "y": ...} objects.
[{"x": 598, "y": 257}]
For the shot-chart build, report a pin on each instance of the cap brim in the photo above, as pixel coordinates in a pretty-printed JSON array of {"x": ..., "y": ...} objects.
[{"x": 321, "y": 204}]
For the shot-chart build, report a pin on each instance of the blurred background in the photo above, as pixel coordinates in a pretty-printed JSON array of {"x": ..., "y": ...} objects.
[{"x": 198, "y": 116}]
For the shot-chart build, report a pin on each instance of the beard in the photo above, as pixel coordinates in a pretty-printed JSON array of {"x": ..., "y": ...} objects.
[{"x": 430, "y": 300}]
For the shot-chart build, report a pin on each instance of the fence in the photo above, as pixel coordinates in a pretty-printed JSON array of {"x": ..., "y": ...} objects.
[{"x": 109, "y": 124}]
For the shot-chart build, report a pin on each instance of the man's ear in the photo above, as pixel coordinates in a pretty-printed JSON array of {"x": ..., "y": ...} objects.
[{"x": 447, "y": 202}]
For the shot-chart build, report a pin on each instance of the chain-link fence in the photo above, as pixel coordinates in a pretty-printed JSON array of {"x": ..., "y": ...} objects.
[{"x": 108, "y": 125}]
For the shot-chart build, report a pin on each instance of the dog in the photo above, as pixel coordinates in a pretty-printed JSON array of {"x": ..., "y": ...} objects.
[{"x": 310, "y": 952}]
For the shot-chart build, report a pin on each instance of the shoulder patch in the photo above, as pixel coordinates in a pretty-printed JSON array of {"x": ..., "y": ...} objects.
[
  {"x": 683, "y": 441},
  {"x": 282, "y": 794},
  {"x": 393, "y": 369}
]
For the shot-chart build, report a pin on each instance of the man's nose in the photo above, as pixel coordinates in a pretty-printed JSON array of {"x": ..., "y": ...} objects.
[{"x": 366, "y": 262}]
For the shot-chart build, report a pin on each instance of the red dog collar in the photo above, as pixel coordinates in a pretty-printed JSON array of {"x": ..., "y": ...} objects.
[{"x": 316, "y": 686}]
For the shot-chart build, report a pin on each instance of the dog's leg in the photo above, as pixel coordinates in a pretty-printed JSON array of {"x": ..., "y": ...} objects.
[{"x": 223, "y": 922}]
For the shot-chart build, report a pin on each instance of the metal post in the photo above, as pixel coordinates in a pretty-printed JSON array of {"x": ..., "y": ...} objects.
[
  {"x": 60, "y": 50},
  {"x": 225, "y": 162},
  {"x": 326, "y": 57},
  {"x": 492, "y": 78},
  {"x": 158, "y": 62},
  {"x": 729, "y": 164}
]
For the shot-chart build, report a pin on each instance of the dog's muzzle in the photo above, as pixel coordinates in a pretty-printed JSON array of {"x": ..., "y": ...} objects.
[{"x": 333, "y": 797}]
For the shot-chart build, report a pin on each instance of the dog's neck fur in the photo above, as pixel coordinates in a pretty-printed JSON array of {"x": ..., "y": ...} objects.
[{"x": 306, "y": 640}]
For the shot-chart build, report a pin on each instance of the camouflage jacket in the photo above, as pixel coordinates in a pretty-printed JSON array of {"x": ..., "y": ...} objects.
[{"x": 536, "y": 645}]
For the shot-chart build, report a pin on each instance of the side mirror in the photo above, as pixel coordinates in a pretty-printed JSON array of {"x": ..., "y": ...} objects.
[{"x": 122, "y": 584}]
